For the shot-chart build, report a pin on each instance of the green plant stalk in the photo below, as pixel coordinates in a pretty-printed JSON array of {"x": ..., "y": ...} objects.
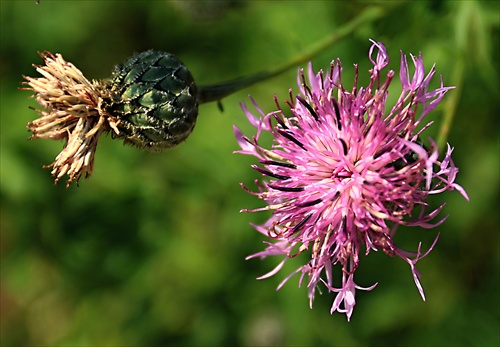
[
  {"x": 451, "y": 105},
  {"x": 218, "y": 91}
]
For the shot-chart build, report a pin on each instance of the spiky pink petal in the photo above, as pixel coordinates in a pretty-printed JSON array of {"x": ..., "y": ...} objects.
[{"x": 346, "y": 169}]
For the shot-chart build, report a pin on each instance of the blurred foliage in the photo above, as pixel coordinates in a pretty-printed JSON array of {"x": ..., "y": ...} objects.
[{"x": 150, "y": 250}]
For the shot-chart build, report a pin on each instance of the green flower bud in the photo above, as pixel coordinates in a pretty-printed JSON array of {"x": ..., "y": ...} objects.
[{"x": 155, "y": 100}]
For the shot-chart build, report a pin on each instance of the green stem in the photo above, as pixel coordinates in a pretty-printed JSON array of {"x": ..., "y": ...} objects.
[
  {"x": 219, "y": 91},
  {"x": 450, "y": 107}
]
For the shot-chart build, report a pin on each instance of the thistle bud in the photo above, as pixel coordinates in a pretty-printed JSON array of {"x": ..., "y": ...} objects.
[
  {"x": 150, "y": 101},
  {"x": 155, "y": 100}
]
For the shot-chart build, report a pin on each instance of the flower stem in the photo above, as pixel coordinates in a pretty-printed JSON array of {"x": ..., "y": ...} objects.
[
  {"x": 218, "y": 91},
  {"x": 450, "y": 107}
]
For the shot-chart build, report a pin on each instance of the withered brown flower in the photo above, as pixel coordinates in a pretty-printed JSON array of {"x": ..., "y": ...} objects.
[{"x": 74, "y": 109}]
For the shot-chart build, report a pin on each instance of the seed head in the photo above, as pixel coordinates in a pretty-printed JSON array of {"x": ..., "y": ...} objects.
[
  {"x": 150, "y": 102},
  {"x": 74, "y": 109}
]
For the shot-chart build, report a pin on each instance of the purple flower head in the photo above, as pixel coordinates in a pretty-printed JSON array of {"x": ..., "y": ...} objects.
[{"x": 345, "y": 170}]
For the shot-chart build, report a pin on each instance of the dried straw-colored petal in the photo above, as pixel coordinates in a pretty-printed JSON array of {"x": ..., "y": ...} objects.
[{"x": 74, "y": 109}]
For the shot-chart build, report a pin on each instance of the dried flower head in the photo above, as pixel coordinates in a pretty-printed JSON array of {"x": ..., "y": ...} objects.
[
  {"x": 73, "y": 110},
  {"x": 150, "y": 102},
  {"x": 345, "y": 170}
]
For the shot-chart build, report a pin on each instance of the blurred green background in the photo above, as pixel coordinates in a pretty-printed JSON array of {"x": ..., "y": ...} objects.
[{"x": 150, "y": 250}]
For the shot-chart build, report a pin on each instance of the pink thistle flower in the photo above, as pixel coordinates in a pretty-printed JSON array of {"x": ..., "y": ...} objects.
[{"x": 346, "y": 169}]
